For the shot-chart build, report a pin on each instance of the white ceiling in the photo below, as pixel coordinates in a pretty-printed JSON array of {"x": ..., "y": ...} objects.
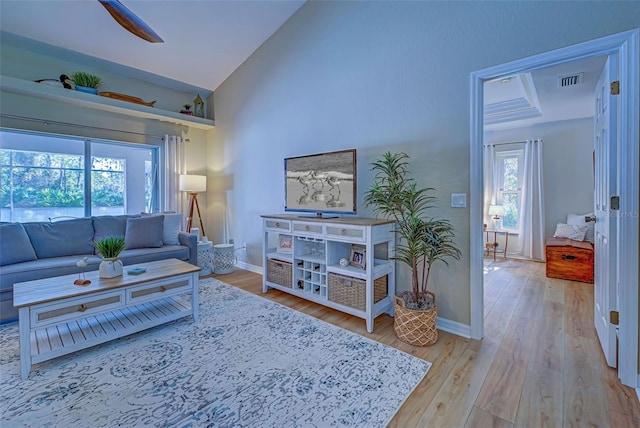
[
  {"x": 205, "y": 40},
  {"x": 535, "y": 97}
]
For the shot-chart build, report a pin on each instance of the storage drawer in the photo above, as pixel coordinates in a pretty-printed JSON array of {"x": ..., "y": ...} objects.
[
  {"x": 51, "y": 313},
  {"x": 308, "y": 229},
  {"x": 351, "y": 291},
  {"x": 346, "y": 233},
  {"x": 276, "y": 225},
  {"x": 153, "y": 291},
  {"x": 567, "y": 262},
  {"x": 279, "y": 272}
]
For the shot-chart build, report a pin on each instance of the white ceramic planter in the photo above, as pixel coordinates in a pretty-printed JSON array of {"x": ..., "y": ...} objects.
[{"x": 110, "y": 268}]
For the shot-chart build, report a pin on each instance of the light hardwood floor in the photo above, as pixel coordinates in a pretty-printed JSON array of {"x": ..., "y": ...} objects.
[{"x": 539, "y": 364}]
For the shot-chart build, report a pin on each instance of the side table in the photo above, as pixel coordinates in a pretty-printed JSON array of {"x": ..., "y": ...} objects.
[
  {"x": 224, "y": 259},
  {"x": 493, "y": 246},
  {"x": 205, "y": 254}
]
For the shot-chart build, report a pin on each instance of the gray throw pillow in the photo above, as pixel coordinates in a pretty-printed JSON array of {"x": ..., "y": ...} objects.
[
  {"x": 143, "y": 232},
  {"x": 15, "y": 246},
  {"x": 170, "y": 227},
  {"x": 109, "y": 225}
]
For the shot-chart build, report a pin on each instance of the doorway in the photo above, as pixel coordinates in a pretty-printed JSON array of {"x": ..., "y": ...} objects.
[{"x": 628, "y": 183}]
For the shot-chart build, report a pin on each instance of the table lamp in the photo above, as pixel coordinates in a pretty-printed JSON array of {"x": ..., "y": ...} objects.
[
  {"x": 496, "y": 211},
  {"x": 193, "y": 184}
]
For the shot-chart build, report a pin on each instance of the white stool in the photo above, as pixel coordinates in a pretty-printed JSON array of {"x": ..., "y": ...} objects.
[
  {"x": 204, "y": 257},
  {"x": 224, "y": 259}
]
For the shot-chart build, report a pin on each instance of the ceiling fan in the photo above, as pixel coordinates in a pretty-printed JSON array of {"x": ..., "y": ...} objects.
[{"x": 130, "y": 21}]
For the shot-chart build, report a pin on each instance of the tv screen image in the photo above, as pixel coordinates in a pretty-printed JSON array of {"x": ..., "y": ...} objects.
[{"x": 321, "y": 183}]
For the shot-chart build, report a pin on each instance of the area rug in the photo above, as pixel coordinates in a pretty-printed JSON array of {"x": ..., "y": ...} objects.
[{"x": 248, "y": 362}]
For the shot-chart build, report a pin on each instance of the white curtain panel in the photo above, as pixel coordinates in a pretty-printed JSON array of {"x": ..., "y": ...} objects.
[
  {"x": 490, "y": 180},
  {"x": 531, "y": 231},
  {"x": 175, "y": 164}
]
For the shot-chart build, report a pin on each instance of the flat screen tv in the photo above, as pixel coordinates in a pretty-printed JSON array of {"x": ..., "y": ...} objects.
[{"x": 323, "y": 183}]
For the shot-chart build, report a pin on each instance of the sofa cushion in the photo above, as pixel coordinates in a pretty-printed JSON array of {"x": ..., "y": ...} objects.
[
  {"x": 170, "y": 227},
  {"x": 144, "y": 232},
  {"x": 15, "y": 246},
  {"x": 62, "y": 238},
  {"x": 145, "y": 255},
  {"x": 109, "y": 225}
]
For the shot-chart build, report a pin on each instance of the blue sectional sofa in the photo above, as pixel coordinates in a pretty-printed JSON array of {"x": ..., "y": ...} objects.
[{"x": 38, "y": 250}]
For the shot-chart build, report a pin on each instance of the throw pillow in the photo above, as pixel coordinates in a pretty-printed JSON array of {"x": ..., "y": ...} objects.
[
  {"x": 109, "y": 225},
  {"x": 15, "y": 246},
  {"x": 578, "y": 220},
  {"x": 570, "y": 231},
  {"x": 143, "y": 232},
  {"x": 171, "y": 226}
]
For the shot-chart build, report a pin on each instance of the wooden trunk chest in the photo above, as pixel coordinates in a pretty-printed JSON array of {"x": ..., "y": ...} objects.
[{"x": 568, "y": 259}]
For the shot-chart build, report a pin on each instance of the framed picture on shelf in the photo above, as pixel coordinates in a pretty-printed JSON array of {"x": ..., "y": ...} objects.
[
  {"x": 358, "y": 257},
  {"x": 285, "y": 244}
]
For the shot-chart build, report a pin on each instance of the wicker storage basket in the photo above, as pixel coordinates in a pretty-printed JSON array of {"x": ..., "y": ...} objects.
[
  {"x": 279, "y": 272},
  {"x": 352, "y": 292},
  {"x": 415, "y": 327}
]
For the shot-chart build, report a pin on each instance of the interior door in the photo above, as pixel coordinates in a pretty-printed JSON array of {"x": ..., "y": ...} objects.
[{"x": 605, "y": 284}]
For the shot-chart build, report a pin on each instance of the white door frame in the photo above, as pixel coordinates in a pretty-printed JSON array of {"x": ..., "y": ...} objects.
[{"x": 626, "y": 44}]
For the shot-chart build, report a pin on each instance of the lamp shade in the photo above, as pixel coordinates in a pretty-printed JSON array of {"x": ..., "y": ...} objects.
[
  {"x": 496, "y": 210},
  {"x": 192, "y": 183}
]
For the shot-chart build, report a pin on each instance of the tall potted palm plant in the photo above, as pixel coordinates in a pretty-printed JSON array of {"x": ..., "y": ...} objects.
[{"x": 423, "y": 241}]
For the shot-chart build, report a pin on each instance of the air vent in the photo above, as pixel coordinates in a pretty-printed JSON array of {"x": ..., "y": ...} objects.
[{"x": 571, "y": 80}]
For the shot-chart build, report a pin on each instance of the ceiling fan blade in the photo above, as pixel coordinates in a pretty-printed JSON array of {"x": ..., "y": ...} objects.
[{"x": 130, "y": 21}]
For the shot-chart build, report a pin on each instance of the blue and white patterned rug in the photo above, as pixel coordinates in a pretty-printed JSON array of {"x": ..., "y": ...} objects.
[{"x": 248, "y": 362}]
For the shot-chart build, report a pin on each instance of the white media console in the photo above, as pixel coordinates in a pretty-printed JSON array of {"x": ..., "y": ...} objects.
[{"x": 302, "y": 257}]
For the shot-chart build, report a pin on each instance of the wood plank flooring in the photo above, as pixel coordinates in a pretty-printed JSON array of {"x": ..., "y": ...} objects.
[{"x": 539, "y": 364}]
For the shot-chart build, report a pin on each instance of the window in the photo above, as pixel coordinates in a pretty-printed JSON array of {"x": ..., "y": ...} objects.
[
  {"x": 45, "y": 176},
  {"x": 510, "y": 165}
]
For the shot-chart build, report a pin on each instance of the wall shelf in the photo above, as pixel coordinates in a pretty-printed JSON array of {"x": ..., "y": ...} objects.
[{"x": 96, "y": 102}]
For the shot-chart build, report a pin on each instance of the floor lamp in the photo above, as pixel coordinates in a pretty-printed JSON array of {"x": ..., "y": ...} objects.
[{"x": 193, "y": 184}]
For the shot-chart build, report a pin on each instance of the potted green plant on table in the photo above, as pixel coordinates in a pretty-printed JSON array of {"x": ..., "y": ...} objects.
[
  {"x": 423, "y": 241},
  {"x": 86, "y": 82},
  {"x": 109, "y": 249}
]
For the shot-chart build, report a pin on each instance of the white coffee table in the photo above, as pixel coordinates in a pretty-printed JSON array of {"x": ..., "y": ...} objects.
[{"x": 58, "y": 317}]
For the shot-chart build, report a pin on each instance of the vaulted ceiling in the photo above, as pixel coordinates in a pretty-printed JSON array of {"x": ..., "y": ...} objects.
[{"x": 204, "y": 40}]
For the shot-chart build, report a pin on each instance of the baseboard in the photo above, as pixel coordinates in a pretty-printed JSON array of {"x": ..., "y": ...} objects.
[
  {"x": 251, "y": 268},
  {"x": 454, "y": 327}
]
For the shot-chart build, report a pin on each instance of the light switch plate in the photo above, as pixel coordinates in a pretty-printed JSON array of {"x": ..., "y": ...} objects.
[{"x": 458, "y": 200}]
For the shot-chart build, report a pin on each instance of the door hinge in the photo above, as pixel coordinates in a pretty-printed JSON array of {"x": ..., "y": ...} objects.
[
  {"x": 614, "y": 317},
  {"x": 615, "y": 203},
  {"x": 615, "y": 87}
]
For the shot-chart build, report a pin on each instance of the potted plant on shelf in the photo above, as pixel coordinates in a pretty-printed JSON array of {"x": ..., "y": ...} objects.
[
  {"x": 86, "y": 82},
  {"x": 423, "y": 241},
  {"x": 110, "y": 248},
  {"x": 187, "y": 110}
]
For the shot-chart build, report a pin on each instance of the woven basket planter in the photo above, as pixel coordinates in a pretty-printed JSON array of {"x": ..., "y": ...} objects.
[{"x": 415, "y": 327}]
